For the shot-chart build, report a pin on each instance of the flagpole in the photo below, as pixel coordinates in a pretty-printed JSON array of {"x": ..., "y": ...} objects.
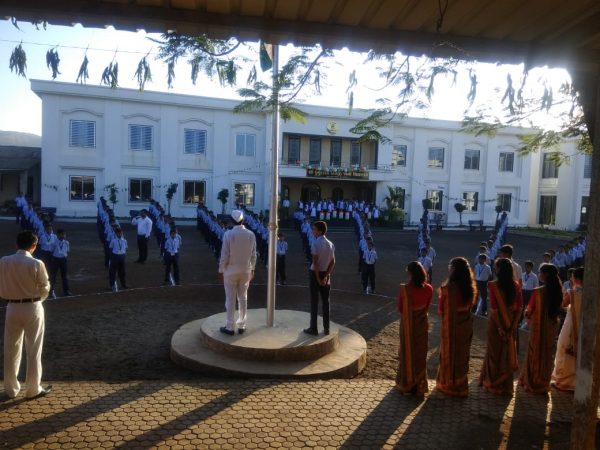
[{"x": 274, "y": 191}]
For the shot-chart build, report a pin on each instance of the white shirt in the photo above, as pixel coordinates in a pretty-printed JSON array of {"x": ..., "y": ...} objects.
[
  {"x": 530, "y": 281},
  {"x": 370, "y": 256},
  {"x": 23, "y": 276},
  {"x": 483, "y": 272},
  {"x": 118, "y": 246},
  {"x": 144, "y": 225},
  {"x": 172, "y": 245},
  {"x": 324, "y": 249},
  {"x": 517, "y": 271},
  {"x": 238, "y": 254},
  {"x": 61, "y": 248},
  {"x": 47, "y": 241},
  {"x": 425, "y": 262}
]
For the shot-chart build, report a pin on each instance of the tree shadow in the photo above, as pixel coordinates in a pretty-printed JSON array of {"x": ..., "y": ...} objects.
[{"x": 389, "y": 415}]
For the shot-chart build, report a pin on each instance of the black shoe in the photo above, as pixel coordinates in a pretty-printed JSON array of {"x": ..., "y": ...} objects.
[
  {"x": 226, "y": 331},
  {"x": 311, "y": 331},
  {"x": 241, "y": 330},
  {"x": 326, "y": 332},
  {"x": 43, "y": 392}
]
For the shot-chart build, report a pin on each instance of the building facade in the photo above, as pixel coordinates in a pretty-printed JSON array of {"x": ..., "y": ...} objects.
[{"x": 142, "y": 142}]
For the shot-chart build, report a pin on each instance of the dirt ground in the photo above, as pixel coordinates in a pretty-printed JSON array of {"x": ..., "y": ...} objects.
[{"x": 99, "y": 335}]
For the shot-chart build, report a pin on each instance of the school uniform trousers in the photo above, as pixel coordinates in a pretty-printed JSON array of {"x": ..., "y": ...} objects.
[
  {"x": 172, "y": 261},
  {"x": 117, "y": 266},
  {"x": 59, "y": 264}
]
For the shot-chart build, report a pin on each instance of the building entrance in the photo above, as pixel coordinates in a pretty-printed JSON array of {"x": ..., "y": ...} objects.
[{"x": 311, "y": 192}]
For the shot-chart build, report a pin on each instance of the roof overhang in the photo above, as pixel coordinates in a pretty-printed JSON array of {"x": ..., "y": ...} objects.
[{"x": 536, "y": 32}]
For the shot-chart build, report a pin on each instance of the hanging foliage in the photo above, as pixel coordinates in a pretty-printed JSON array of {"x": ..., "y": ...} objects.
[
  {"x": 171, "y": 72},
  {"x": 83, "y": 75},
  {"x": 110, "y": 76},
  {"x": 18, "y": 61},
  {"x": 143, "y": 73},
  {"x": 52, "y": 62}
]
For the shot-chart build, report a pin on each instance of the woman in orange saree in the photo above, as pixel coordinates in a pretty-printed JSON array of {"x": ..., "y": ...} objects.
[
  {"x": 457, "y": 296},
  {"x": 500, "y": 360},
  {"x": 542, "y": 317},
  {"x": 414, "y": 299}
]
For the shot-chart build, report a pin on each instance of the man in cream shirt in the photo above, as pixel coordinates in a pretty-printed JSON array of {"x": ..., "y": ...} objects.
[
  {"x": 238, "y": 259},
  {"x": 24, "y": 284}
]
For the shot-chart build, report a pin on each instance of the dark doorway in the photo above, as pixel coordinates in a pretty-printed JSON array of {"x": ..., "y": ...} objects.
[{"x": 311, "y": 192}]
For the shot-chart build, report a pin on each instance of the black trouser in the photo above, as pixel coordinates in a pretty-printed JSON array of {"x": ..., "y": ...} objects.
[
  {"x": 142, "y": 242},
  {"x": 117, "y": 264},
  {"x": 281, "y": 268},
  {"x": 46, "y": 257},
  {"x": 59, "y": 264},
  {"x": 172, "y": 260},
  {"x": 315, "y": 290},
  {"x": 482, "y": 291},
  {"x": 360, "y": 260},
  {"x": 368, "y": 276}
]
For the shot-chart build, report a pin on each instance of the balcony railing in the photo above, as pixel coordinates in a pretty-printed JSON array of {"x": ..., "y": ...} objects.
[{"x": 333, "y": 167}]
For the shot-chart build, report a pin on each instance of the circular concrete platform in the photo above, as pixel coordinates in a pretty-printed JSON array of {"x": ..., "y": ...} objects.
[{"x": 279, "y": 351}]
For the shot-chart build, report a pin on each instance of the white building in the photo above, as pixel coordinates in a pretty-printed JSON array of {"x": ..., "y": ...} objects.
[{"x": 143, "y": 142}]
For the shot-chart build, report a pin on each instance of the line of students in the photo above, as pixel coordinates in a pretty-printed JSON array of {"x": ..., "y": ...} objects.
[{"x": 457, "y": 295}]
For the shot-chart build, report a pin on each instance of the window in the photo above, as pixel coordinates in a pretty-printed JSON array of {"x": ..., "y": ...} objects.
[
  {"x": 82, "y": 133},
  {"x": 436, "y": 157},
  {"x": 472, "y": 159},
  {"x": 82, "y": 188},
  {"x": 336, "y": 153},
  {"x": 314, "y": 154},
  {"x": 547, "y": 210},
  {"x": 245, "y": 144},
  {"x": 399, "y": 155},
  {"x": 355, "y": 153},
  {"x": 506, "y": 161},
  {"x": 549, "y": 167},
  {"x": 140, "y": 138},
  {"x": 503, "y": 200},
  {"x": 244, "y": 194},
  {"x": 140, "y": 189},
  {"x": 470, "y": 200},
  {"x": 194, "y": 141},
  {"x": 294, "y": 150},
  {"x": 436, "y": 199},
  {"x": 193, "y": 192},
  {"x": 587, "y": 167}
]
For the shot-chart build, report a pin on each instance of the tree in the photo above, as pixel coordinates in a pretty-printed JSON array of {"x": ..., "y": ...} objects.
[
  {"x": 426, "y": 204},
  {"x": 393, "y": 202},
  {"x": 459, "y": 207},
  {"x": 222, "y": 196},
  {"x": 170, "y": 192},
  {"x": 113, "y": 191}
]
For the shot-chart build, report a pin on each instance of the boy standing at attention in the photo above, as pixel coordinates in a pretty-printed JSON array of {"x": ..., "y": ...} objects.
[
  {"x": 483, "y": 273},
  {"x": 282, "y": 247},
  {"x": 59, "y": 262},
  {"x": 368, "y": 274},
  {"x": 172, "y": 246},
  {"x": 118, "y": 248}
]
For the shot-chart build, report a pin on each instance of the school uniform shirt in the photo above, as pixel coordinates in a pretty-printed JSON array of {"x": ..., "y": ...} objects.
[
  {"x": 282, "y": 247},
  {"x": 530, "y": 281},
  {"x": 61, "y": 248},
  {"x": 144, "y": 225},
  {"x": 118, "y": 246},
  {"x": 47, "y": 241},
  {"x": 483, "y": 272},
  {"x": 370, "y": 256},
  {"x": 425, "y": 262},
  {"x": 172, "y": 245},
  {"x": 431, "y": 254},
  {"x": 325, "y": 251},
  {"x": 560, "y": 260}
]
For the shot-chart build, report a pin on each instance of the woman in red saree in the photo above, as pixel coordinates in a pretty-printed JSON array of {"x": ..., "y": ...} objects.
[
  {"x": 457, "y": 296},
  {"x": 542, "y": 317},
  {"x": 500, "y": 360},
  {"x": 414, "y": 299}
]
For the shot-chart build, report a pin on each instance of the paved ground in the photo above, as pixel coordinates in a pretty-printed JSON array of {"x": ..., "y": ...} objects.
[{"x": 108, "y": 358}]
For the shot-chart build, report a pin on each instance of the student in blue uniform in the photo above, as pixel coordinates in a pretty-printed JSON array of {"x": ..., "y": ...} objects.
[
  {"x": 282, "y": 247},
  {"x": 59, "y": 262},
  {"x": 172, "y": 246},
  {"x": 118, "y": 249}
]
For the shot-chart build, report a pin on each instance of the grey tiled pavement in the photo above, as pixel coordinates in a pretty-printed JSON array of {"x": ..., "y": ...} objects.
[{"x": 279, "y": 414}]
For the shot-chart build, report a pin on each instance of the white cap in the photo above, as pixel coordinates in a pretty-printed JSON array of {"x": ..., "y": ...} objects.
[{"x": 237, "y": 215}]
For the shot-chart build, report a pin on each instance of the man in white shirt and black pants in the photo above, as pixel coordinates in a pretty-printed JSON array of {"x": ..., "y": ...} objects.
[
  {"x": 238, "y": 259},
  {"x": 144, "y": 228},
  {"x": 24, "y": 284}
]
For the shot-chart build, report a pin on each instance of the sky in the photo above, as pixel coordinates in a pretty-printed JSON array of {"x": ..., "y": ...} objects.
[{"x": 20, "y": 108}]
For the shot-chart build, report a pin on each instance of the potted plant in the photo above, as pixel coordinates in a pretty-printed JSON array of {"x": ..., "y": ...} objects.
[
  {"x": 460, "y": 208},
  {"x": 113, "y": 191},
  {"x": 170, "y": 192}
]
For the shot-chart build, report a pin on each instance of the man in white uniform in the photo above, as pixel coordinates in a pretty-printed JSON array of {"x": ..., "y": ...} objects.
[
  {"x": 24, "y": 284},
  {"x": 144, "y": 228},
  {"x": 238, "y": 259}
]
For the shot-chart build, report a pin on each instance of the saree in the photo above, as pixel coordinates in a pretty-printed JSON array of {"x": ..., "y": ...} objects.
[
  {"x": 500, "y": 361},
  {"x": 565, "y": 363},
  {"x": 411, "y": 377},
  {"x": 455, "y": 347},
  {"x": 539, "y": 361}
]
